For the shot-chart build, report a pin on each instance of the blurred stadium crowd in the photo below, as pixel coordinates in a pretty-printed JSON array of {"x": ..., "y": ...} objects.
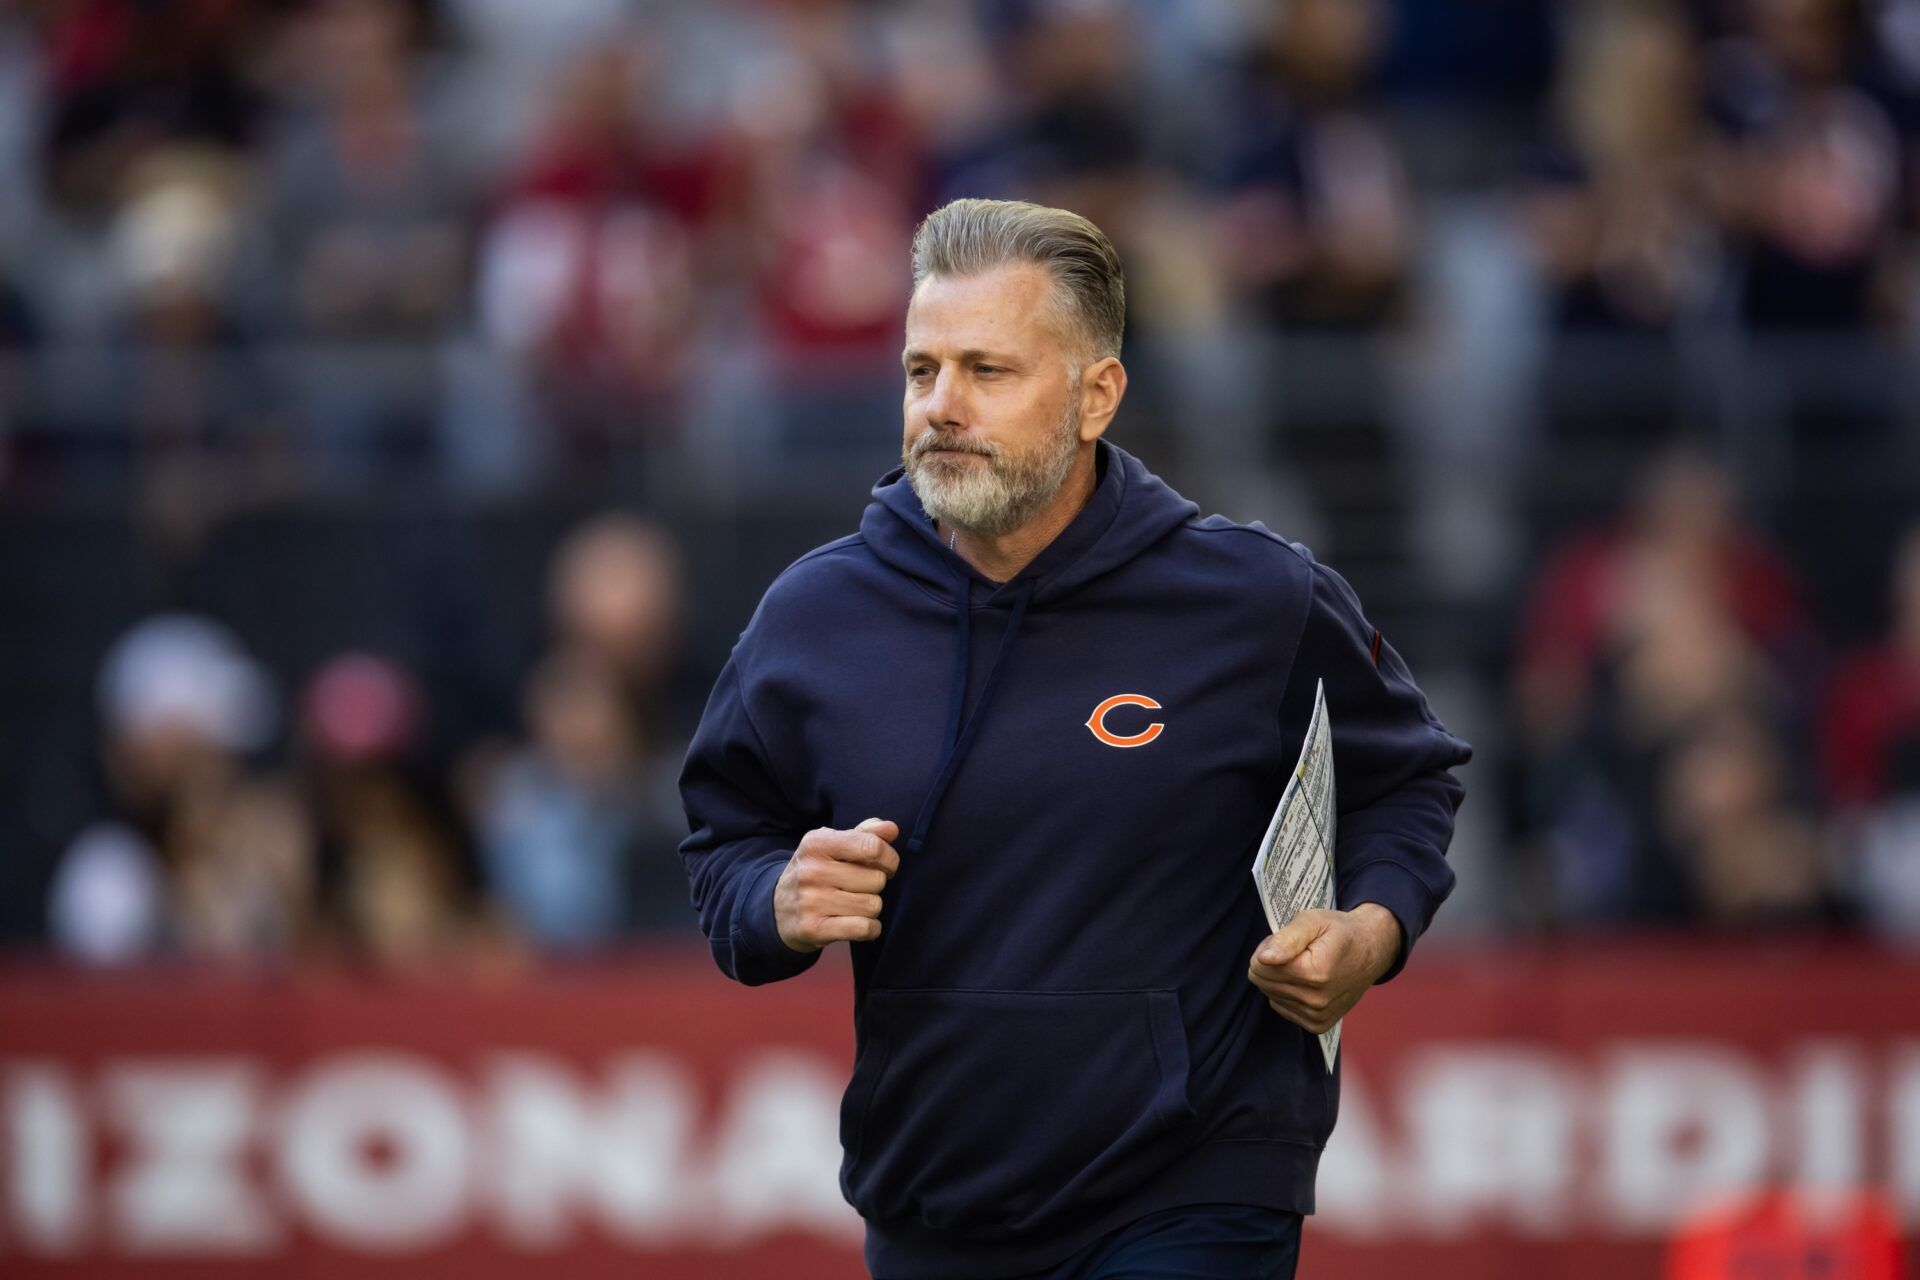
[{"x": 403, "y": 402}]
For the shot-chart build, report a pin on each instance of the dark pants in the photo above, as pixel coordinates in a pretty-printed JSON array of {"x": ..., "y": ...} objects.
[{"x": 1192, "y": 1242}]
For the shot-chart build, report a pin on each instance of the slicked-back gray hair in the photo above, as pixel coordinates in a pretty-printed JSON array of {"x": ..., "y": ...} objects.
[{"x": 970, "y": 237}]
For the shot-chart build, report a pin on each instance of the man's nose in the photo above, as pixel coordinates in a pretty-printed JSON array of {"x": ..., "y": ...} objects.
[{"x": 944, "y": 404}]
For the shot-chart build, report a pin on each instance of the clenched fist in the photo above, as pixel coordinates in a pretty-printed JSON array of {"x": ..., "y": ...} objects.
[
  {"x": 1320, "y": 963},
  {"x": 830, "y": 890}
]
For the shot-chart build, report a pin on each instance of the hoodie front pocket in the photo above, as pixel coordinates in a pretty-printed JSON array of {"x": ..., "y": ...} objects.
[{"x": 990, "y": 1112}]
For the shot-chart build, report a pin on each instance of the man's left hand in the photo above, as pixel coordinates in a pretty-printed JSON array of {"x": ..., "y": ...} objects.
[{"x": 1320, "y": 963}]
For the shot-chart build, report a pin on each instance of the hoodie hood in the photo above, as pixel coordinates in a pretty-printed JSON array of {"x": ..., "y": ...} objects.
[{"x": 1129, "y": 510}]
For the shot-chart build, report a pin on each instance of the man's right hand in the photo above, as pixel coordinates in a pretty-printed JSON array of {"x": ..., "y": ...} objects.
[{"x": 830, "y": 890}]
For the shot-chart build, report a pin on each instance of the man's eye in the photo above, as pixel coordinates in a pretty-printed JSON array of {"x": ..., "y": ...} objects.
[
  {"x": 919, "y": 371},
  {"x": 987, "y": 368}
]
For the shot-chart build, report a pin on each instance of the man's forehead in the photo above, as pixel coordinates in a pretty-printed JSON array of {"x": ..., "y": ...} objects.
[{"x": 1004, "y": 309}]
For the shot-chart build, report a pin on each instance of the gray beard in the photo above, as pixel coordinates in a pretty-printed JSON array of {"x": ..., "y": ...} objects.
[{"x": 996, "y": 495}]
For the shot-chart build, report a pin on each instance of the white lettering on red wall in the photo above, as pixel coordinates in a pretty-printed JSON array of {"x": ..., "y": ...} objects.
[
  {"x": 665, "y": 1114},
  {"x": 383, "y": 1152},
  {"x": 183, "y": 1186}
]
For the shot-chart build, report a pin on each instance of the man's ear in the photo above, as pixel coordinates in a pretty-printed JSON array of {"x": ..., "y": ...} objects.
[{"x": 1103, "y": 384}]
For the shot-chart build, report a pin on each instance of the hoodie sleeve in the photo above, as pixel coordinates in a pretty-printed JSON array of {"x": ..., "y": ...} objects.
[
  {"x": 744, "y": 830},
  {"x": 1392, "y": 787}
]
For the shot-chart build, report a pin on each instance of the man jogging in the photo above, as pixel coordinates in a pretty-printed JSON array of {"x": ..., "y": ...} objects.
[{"x": 1016, "y": 741}]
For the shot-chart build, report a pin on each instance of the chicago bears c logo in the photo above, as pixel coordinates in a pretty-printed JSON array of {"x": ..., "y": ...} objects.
[{"x": 1096, "y": 722}]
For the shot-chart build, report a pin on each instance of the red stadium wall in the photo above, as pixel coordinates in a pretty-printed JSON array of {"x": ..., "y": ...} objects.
[{"x": 1507, "y": 1112}]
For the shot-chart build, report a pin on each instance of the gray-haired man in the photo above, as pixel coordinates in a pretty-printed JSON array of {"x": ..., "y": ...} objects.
[{"x": 1015, "y": 742}]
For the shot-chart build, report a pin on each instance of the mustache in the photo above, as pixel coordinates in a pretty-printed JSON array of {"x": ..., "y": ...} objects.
[{"x": 931, "y": 442}]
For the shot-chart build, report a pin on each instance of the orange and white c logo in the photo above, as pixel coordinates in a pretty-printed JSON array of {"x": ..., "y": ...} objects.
[{"x": 1097, "y": 721}]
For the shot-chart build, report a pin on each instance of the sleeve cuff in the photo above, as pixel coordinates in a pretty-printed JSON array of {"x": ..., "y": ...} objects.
[
  {"x": 1398, "y": 890},
  {"x": 760, "y": 955}
]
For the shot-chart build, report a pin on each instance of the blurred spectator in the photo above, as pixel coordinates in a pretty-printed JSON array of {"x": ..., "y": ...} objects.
[
  {"x": 615, "y": 594},
  {"x": 1872, "y": 749},
  {"x": 1808, "y": 172},
  {"x": 579, "y": 826},
  {"x": 1740, "y": 829},
  {"x": 828, "y": 167},
  {"x": 173, "y": 241},
  {"x": 367, "y": 213},
  {"x": 244, "y": 872},
  {"x": 1317, "y": 223},
  {"x": 402, "y": 892},
  {"x": 827, "y": 173},
  {"x": 1683, "y": 550},
  {"x": 509, "y": 53},
  {"x": 1611, "y": 206},
  {"x": 181, "y": 706},
  {"x": 1885, "y": 871},
  {"x": 126, "y": 76},
  {"x": 1872, "y": 725},
  {"x": 109, "y": 899},
  {"x": 1309, "y": 227},
  {"x": 1663, "y": 665},
  {"x": 181, "y": 700},
  {"x": 405, "y": 903},
  {"x": 587, "y": 273},
  {"x": 559, "y": 824},
  {"x": 183, "y": 388},
  {"x": 952, "y": 94},
  {"x": 1080, "y": 139}
]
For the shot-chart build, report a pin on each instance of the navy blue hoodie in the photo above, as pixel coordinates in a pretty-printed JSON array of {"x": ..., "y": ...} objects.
[{"x": 1054, "y": 1033}]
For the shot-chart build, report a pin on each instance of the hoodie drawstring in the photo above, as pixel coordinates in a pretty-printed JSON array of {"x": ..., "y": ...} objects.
[{"x": 959, "y": 739}]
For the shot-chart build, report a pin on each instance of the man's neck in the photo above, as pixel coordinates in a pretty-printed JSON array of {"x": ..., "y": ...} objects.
[{"x": 1002, "y": 558}]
